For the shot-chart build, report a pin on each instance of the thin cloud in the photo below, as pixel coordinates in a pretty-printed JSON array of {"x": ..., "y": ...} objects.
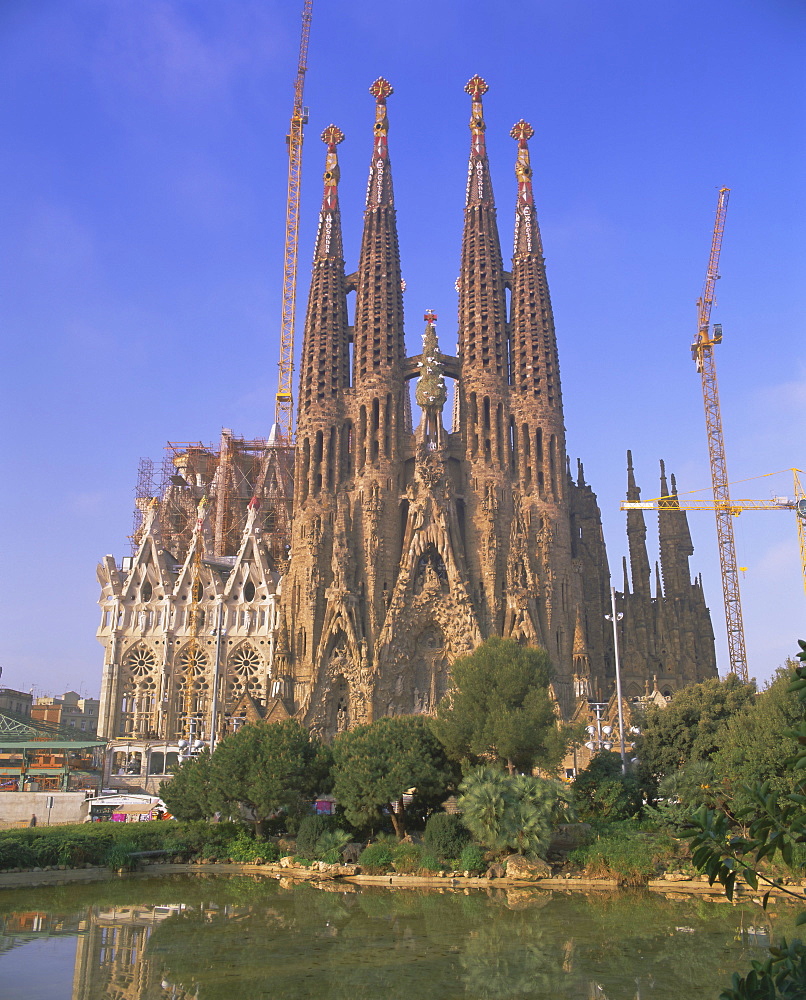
[{"x": 154, "y": 50}]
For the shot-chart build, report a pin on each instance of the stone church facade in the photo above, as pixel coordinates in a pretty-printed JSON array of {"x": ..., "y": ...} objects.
[{"x": 343, "y": 591}]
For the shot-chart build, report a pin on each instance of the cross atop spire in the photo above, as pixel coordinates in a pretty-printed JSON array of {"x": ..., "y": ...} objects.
[
  {"x": 381, "y": 89},
  {"x": 333, "y": 135},
  {"x": 476, "y": 86}
]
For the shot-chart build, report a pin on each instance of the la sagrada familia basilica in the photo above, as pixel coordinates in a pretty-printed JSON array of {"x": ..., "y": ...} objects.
[{"x": 336, "y": 580}]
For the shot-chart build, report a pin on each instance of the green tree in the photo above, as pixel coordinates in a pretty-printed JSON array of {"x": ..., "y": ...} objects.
[
  {"x": 755, "y": 743},
  {"x": 603, "y": 792},
  {"x": 512, "y": 812},
  {"x": 268, "y": 767},
  {"x": 727, "y": 845},
  {"x": 191, "y": 794},
  {"x": 498, "y": 708},
  {"x": 688, "y": 728},
  {"x": 373, "y": 765}
]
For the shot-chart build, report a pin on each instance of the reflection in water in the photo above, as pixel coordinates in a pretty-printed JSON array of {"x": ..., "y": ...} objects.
[{"x": 213, "y": 938}]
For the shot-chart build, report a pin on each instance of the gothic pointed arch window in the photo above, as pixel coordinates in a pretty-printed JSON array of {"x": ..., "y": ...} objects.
[
  {"x": 245, "y": 675},
  {"x": 138, "y": 702},
  {"x": 192, "y": 688}
]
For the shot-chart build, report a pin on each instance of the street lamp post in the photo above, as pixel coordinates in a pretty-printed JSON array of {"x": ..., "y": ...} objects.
[
  {"x": 598, "y": 735},
  {"x": 615, "y": 619}
]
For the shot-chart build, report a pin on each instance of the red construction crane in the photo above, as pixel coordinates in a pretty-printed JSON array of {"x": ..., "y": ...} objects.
[{"x": 284, "y": 411}]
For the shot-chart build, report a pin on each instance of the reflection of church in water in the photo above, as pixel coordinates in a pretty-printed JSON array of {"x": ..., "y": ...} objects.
[
  {"x": 408, "y": 545},
  {"x": 113, "y": 960}
]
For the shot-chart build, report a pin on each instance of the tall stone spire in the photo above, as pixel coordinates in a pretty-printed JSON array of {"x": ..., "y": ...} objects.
[
  {"x": 325, "y": 351},
  {"x": 379, "y": 345},
  {"x": 482, "y": 302},
  {"x": 675, "y": 543},
  {"x": 534, "y": 366},
  {"x": 636, "y": 536}
]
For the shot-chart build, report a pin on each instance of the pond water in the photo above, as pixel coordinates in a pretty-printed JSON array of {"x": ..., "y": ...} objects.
[{"x": 224, "y": 938}]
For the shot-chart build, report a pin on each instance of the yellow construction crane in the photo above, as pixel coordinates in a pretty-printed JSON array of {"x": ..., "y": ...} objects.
[
  {"x": 702, "y": 351},
  {"x": 736, "y": 507},
  {"x": 283, "y": 411}
]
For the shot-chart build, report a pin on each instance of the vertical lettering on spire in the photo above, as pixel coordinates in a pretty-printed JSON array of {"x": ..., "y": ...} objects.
[
  {"x": 527, "y": 236},
  {"x": 332, "y": 136},
  {"x": 376, "y": 189},
  {"x": 477, "y": 188}
]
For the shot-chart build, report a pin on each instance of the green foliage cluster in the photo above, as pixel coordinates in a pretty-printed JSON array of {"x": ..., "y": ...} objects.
[
  {"x": 626, "y": 853},
  {"x": 728, "y": 844},
  {"x": 376, "y": 859},
  {"x": 498, "y": 708},
  {"x": 714, "y": 741},
  {"x": 265, "y": 767},
  {"x": 445, "y": 835},
  {"x": 374, "y": 765},
  {"x": 320, "y": 839},
  {"x": 415, "y": 859},
  {"x": 112, "y": 843},
  {"x": 512, "y": 812},
  {"x": 472, "y": 859},
  {"x": 603, "y": 794},
  {"x": 75, "y": 845},
  {"x": 690, "y": 728}
]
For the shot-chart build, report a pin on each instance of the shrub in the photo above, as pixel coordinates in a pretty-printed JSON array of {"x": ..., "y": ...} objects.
[
  {"x": 245, "y": 849},
  {"x": 604, "y": 793},
  {"x": 407, "y": 858},
  {"x": 375, "y": 859},
  {"x": 445, "y": 835},
  {"x": 76, "y": 845},
  {"x": 310, "y": 830},
  {"x": 472, "y": 859},
  {"x": 331, "y": 843},
  {"x": 629, "y": 856},
  {"x": 429, "y": 865},
  {"x": 118, "y": 855},
  {"x": 512, "y": 813}
]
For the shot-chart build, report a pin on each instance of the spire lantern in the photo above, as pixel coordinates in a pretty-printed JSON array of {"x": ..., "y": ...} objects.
[
  {"x": 379, "y": 189},
  {"x": 332, "y": 136},
  {"x": 527, "y": 234},
  {"x": 477, "y": 87}
]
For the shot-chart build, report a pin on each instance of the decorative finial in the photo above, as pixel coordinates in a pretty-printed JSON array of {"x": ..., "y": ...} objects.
[
  {"x": 522, "y": 131},
  {"x": 431, "y": 393},
  {"x": 333, "y": 135},
  {"x": 381, "y": 89},
  {"x": 379, "y": 187},
  {"x": 476, "y": 86}
]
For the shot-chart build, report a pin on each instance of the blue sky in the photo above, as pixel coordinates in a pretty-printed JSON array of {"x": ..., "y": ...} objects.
[{"x": 142, "y": 198}]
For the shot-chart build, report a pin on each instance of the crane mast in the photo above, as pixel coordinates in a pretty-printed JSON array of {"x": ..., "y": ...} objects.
[
  {"x": 702, "y": 351},
  {"x": 283, "y": 410}
]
